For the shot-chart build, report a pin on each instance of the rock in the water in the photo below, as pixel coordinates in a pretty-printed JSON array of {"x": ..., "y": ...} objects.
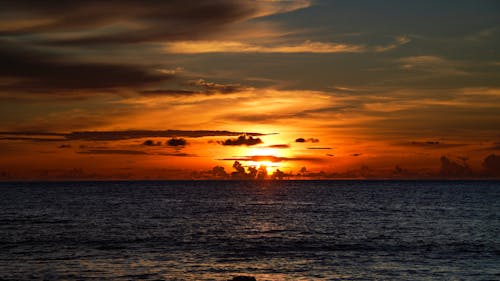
[{"x": 243, "y": 278}]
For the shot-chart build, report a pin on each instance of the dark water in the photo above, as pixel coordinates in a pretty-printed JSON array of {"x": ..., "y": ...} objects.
[{"x": 337, "y": 230}]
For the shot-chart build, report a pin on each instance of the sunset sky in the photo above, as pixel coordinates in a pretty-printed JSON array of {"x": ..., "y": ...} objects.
[{"x": 317, "y": 89}]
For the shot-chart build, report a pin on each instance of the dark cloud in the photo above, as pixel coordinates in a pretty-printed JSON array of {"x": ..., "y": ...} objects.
[
  {"x": 319, "y": 148},
  {"x": 150, "y": 20},
  {"x": 123, "y": 135},
  {"x": 133, "y": 134},
  {"x": 64, "y": 146},
  {"x": 242, "y": 172},
  {"x": 356, "y": 154},
  {"x": 37, "y": 72},
  {"x": 452, "y": 169},
  {"x": 177, "y": 154},
  {"x": 279, "y": 146},
  {"x": 32, "y": 133},
  {"x": 242, "y": 140},
  {"x": 151, "y": 143},
  {"x": 176, "y": 142},
  {"x": 491, "y": 164},
  {"x": 272, "y": 158},
  {"x": 300, "y": 114},
  {"x": 219, "y": 172},
  {"x": 132, "y": 152},
  {"x": 113, "y": 151},
  {"x": 313, "y": 140},
  {"x": 35, "y": 139},
  {"x": 167, "y": 92},
  {"x": 432, "y": 144}
]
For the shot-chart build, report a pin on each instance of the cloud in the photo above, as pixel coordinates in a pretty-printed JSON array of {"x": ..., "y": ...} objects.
[
  {"x": 211, "y": 87},
  {"x": 35, "y": 139},
  {"x": 125, "y": 135},
  {"x": 279, "y": 146},
  {"x": 39, "y": 72},
  {"x": 313, "y": 140},
  {"x": 82, "y": 22},
  {"x": 272, "y": 158},
  {"x": 308, "y": 46},
  {"x": 200, "y": 47},
  {"x": 113, "y": 151},
  {"x": 431, "y": 64},
  {"x": 202, "y": 87},
  {"x": 452, "y": 169},
  {"x": 176, "y": 142},
  {"x": 493, "y": 146},
  {"x": 432, "y": 144},
  {"x": 167, "y": 92},
  {"x": 151, "y": 143},
  {"x": 44, "y": 47},
  {"x": 176, "y": 154},
  {"x": 133, "y": 152},
  {"x": 492, "y": 165},
  {"x": 242, "y": 140},
  {"x": 399, "y": 41},
  {"x": 319, "y": 148}
]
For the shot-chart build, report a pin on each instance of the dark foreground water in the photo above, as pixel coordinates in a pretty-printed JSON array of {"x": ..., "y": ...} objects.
[{"x": 290, "y": 230}]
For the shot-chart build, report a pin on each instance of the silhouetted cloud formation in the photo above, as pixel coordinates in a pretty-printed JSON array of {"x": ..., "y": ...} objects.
[
  {"x": 176, "y": 142},
  {"x": 242, "y": 172},
  {"x": 313, "y": 140},
  {"x": 279, "y": 146},
  {"x": 242, "y": 140},
  {"x": 491, "y": 164},
  {"x": 151, "y": 143},
  {"x": 452, "y": 169}
]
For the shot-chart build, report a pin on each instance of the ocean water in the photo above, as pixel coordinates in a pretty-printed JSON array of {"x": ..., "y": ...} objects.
[{"x": 286, "y": 230}]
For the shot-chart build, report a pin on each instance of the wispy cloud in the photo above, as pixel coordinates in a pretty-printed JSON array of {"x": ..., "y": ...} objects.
[
  {"x": 200, "y": 47},
  {"x": 123, "y": 135},
  {"x": 431, "y": 64}
]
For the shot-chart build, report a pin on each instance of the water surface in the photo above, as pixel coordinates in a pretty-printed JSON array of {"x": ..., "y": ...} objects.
[{"x": 287, "y": 230}]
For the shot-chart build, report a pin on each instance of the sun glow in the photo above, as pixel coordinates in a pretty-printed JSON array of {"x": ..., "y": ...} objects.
[{"x": 268, "y": 158}]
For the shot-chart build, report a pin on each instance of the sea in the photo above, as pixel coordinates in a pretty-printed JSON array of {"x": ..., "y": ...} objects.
[{"x": 271, "y": 230}]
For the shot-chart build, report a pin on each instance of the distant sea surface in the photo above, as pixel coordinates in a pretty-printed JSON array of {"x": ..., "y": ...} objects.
[{"x": 272, "y": 230}]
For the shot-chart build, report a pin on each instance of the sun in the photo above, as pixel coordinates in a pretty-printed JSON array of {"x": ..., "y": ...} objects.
[{"x": 266, "y": 156}]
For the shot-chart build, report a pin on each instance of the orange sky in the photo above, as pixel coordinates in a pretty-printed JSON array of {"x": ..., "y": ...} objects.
[{"x": 325, "y": 89}]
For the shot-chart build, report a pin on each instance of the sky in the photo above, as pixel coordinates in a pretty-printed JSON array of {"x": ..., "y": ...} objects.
[{"x": 240, "y": 89}]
